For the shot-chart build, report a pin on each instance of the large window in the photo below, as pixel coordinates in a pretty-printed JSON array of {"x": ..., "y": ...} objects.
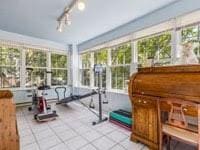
[
  {"x": 120, "y": 69},
  {"x": 156, "y": 49},
  {"x": 59, "y": 69},
  {"x": 36, "y": 67},
  {"x": 85, "y": 69},
  {"x": 192, "y": 34},
  {"x": 9, "y": 67},
  {"x": 101, "y": 57}
]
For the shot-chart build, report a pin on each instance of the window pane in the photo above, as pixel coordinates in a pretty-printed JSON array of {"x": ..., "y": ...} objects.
[
  {"x": 192, "y": 35},
  {"x": 59, "y": 77},
  {"x": 9, "y": 67},
  {"x": 120, "y": 75},
  {"x": 36, "y": 77},
  {"x": 85, "y": 77},
  {"x": 86, "y": 60},
  {"x": 9, "y": 56},
  {"x": 121, "y": 55},
  {"x": 157, "y": 48},
  {"x": 36, "y": 58},
  {"x": 58, "y": 61},
  {"x": 101, "y": 57},
  {"x": 102, "y": 78},
  {"x": 9, "y": 77}
]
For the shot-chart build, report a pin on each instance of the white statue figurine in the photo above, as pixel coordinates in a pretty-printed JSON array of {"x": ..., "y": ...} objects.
[{"x": 187, "y": 54}]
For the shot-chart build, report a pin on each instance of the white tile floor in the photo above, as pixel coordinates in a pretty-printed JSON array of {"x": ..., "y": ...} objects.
[{"x": 72, "y": 130}]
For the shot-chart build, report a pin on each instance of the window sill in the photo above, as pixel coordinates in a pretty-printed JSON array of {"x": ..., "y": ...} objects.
[
  {"x": 85, "y": 87},
  {"x": 124, "y": 92},
  {"x": 29, "y": 88}
]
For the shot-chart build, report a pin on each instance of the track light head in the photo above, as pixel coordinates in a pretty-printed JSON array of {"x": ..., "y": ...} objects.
[
  {"x": 81, "y": 5},
  {"x": 60, "y": 26},
  {"x": 64, "y": 18}
]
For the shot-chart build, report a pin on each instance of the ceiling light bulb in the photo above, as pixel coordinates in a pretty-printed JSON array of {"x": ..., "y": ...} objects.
[
  {"x": 60, "y": 26},
  {"x": 81, "y": 5}
]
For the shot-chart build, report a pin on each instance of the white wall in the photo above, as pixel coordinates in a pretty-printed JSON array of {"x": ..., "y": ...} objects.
[
  {"x": 115, "y": 100},
  {"x": 4, "y": 35}
]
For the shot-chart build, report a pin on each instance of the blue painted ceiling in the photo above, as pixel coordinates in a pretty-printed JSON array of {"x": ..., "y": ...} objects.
[{"x": 37, "y": 18}]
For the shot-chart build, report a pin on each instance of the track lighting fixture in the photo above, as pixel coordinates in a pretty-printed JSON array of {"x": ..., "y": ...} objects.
[{"x": 64, "y": 19}]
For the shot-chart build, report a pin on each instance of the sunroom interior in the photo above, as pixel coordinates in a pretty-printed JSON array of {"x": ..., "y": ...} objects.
[{"x": 99, "y": 75}]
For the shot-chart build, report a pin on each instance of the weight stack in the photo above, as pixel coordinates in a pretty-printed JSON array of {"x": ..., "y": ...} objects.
[{"x": 121, "y": 118}]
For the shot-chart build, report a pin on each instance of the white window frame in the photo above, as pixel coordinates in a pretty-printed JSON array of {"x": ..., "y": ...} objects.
[
  {"x": 119, "y": 65},
  {"x": 88, "y": 68}
]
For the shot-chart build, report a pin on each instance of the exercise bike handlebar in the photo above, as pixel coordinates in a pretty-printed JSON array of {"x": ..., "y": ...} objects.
[{"x": 57, "y": 92}]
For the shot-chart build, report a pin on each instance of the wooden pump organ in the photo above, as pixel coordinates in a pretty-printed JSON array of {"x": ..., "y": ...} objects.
[{"x": 166, "y": 105}]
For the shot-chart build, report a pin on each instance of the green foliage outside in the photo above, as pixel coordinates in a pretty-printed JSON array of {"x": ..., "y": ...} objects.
[
  {"x": 36, "y": 58},
  {"x": 85, "y": 71},
  {"x": 58, "y": 61},
  {"x": 157, "y": 48},
  {"x": 121, "y": 55},
  {"x": 119, "y": 77},
  {"x": 101, "y": 57},
  {"x": 9, "y": 67},
  {"x": 59, "y": 77},
  {"x": 59, "y": 69},
  {"x": 120, "y": 70},
  {"x": 86, "y": 58}
]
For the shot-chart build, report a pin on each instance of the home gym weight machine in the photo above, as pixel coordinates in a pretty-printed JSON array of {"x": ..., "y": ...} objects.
[{"x": 98, "y": 69}]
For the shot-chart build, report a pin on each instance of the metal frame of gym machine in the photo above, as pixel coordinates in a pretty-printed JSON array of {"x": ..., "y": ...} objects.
[{"x": 98, "y": 69}]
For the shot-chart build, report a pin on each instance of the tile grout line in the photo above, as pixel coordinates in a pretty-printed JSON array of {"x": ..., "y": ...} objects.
[
  {"x": 31, "y": 132},
  {"x": 86, "y": 124}
]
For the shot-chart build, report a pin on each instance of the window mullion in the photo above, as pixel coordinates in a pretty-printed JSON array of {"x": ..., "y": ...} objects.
[
  {"x": 108, "y": 70},
  {"x": 174, "y": 40},
  {"x": 48, "y": 68},
  {"x": 23, "y": 68},
  {"x": 177, "y": 42},
  {"x": 134, "y": 56},
  {"x": 91, "y": 70}
]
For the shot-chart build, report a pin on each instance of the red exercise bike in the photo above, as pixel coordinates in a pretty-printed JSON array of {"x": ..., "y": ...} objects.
[{"x": 43, "y": 111}]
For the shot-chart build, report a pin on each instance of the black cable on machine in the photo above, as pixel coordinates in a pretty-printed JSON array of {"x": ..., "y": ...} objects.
[{"x": 98, "y": 69}]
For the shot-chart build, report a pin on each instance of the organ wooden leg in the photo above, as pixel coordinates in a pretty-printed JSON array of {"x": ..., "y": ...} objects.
[{"x": 160, "y": 127}]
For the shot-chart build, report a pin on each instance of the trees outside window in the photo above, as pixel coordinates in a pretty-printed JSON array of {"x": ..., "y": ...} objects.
[
  {"x": 120, "y": 66},
  {"x": 37, "y": 61},
  {"x": 9, "y": 67},
  {"x": 192, "y": 34},
  {"x": 120, "y": 76},
  {"x": 85, "y": 69},
  {"x": 157, "y": 48},
  {"x": 101, "y": 57},
  {"x": 59, "y": 69}
]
